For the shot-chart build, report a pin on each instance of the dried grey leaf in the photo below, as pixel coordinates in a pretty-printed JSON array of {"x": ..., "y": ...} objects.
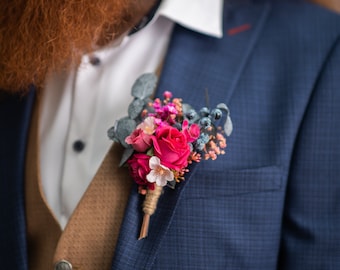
[
  {"x": 228, "y": 126},
  {"x": 223, "y": 107}
]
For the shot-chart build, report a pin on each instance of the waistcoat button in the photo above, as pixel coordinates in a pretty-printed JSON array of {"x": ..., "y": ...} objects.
[
  {"x": 78, "y": 146},
  {"x": 63, "y": 265}
]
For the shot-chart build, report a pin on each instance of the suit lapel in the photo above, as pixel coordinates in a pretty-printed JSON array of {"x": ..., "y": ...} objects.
[
  {"x": 195, "y": 64},
  {"x": 15, "y": 113}
]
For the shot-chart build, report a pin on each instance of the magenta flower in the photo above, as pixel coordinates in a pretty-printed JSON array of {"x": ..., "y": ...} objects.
[
  {"x": 191, "y": 132},
  {"x": 171, "y": 146},
  {"x": 139, "y": 169}
]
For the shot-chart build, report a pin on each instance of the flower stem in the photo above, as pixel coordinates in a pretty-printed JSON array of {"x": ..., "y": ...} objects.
[
  {"x": 149, "y": 207},
  {"x": 145, "y": 227}
]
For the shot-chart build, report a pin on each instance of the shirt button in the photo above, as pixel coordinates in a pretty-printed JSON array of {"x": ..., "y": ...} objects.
[
  {"x": 78, "y": 146},
  {"x": 63, "y": 265},
  {"x": 94, "y": 60}
]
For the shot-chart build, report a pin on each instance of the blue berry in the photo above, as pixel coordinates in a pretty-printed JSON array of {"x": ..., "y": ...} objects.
[
  {"x": 216, "y": 114},
  {"x": 204, "y": 112},
  {"x": 191, "y": 114},
  {"x": 205, "y": 122}
]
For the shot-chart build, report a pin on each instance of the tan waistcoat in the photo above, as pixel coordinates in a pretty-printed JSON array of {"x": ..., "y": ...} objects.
[{"x": 89, "y": 239}]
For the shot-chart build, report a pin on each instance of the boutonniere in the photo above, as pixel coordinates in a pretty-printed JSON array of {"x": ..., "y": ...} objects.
[{"x": 162, "y": 137}]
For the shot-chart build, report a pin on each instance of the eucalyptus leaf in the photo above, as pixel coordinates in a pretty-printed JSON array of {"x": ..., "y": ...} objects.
[
  {"x": 144, "y": 86},
  {"x": 135, "y": 108},
  {"x": 171, "y": 184},
  {"x": 126, "y": 155},
  {"x": 124, "y": 128},
  {"x": 111, "y": 133},
  {"x": 186, "y": 108}
]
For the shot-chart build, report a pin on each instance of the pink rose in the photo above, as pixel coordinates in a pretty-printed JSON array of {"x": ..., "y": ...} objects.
[
  {"x": 139, "y": 169},
  {"x": 171, "y": 147},
  {"x": 191, "y": 132},
  {"x": 139, "y": 140}
]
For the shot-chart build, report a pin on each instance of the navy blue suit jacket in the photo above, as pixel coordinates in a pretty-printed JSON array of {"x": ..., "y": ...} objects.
[{"x": 273, "y": 201}]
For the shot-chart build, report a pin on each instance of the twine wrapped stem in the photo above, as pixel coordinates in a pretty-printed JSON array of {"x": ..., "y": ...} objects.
[{"x": 149, "y": 207}]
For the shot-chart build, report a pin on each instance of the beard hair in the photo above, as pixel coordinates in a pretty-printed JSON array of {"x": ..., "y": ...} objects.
[{"x": 38, "y": 36}]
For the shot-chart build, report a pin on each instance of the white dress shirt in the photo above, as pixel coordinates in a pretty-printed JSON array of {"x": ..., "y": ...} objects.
[{"x": 79, "y": 107}]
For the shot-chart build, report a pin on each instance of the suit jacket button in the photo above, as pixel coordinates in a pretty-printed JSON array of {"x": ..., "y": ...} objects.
[{"x": 63, "y": 265}]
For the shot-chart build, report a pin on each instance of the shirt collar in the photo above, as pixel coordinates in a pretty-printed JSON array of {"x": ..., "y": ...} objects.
[{"x": 203, "y": 16}]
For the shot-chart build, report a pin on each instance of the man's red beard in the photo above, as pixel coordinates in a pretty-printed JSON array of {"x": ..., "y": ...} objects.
[{"x": 39, "y": 36}]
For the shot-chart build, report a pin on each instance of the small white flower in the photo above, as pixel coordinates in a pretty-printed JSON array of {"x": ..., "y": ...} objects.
[
  {"x": 148, "y": 125},
  {"x": 159, "y": 173}
]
